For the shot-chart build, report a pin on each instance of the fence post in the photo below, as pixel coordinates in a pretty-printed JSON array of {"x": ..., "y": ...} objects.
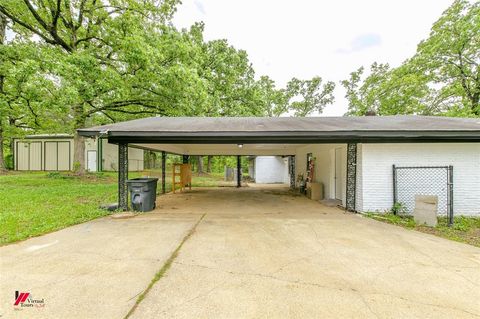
[
  {"x": 450, "y": 195},
  {"x": 394, "y": 174}
]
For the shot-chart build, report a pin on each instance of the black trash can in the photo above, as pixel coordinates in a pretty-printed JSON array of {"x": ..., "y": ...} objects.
[{"x": 143, "y": 192}]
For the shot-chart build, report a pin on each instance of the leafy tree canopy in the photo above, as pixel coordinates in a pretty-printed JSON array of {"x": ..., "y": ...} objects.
[
  {"x": 77, "y": 63},
  {"x": 443, "y": 77}
]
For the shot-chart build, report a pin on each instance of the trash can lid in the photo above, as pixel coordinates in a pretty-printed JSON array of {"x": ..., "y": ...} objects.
[{"x": 142, "y": 179}]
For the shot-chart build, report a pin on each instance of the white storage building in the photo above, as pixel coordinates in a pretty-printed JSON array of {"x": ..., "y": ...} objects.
[{"x": 54, "y": 152}]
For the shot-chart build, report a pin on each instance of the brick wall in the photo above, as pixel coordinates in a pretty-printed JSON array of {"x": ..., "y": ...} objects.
[
  {"x": 271, "y": 169},
  {"x": 375, "y": 172}
]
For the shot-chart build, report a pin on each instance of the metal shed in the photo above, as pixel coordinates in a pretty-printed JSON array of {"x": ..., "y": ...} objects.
[{"x": 54, "y": 152}]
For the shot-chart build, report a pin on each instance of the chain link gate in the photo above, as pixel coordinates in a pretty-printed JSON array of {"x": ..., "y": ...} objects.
[{"x": 409, "y": 181}]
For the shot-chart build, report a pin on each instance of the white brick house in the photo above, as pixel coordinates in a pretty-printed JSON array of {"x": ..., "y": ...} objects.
[
  {"x": 357, "y": 159},
  {"x": 374, "y": 189}
]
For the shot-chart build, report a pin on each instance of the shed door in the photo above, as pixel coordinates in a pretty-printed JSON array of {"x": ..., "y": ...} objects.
[
  {"x": 57, "y": 156},
  {"x": 50, "y": 156},
  {"x": 22, "y": 156},
  {"x": 92, "y": 161},
  {"x": 35, "y": 156},
  {"x": 63, "y": 156},
  {"x": 338, "y": 173}
]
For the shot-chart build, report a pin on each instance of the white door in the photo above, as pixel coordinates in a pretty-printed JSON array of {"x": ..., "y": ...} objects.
[
  {"x": 338, "y": 173},
  {"x": 92, "y": 161}
]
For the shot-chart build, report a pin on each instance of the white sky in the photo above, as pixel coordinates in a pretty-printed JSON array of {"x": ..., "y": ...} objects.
[{"x": 305, "y": 38}]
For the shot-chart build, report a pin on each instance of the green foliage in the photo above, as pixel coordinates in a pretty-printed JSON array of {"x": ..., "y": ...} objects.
[
  {"x": 76, "y": 166},
  {"x": 399, "y": 209},
  {"x": 464, "y": 229},
  {"x": 308, "y": 96},
  {"x": 442, "y": 78},
  {"x": 33, "y": 204},
  {"x": 450, "y": 57},
  {"x": 74, "y": 64},
  {"x": 9, "y": 161},
  {"x": 299, "y": 98},
  {"x": 273, "y": 101},
  {"x": 386, "y": 91},
  {"x": 400, "y": 220},
  {"x": 55, "y": 175}
]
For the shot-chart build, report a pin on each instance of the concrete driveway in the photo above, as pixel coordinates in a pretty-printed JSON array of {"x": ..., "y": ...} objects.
[{"x": 257, "y": 253}]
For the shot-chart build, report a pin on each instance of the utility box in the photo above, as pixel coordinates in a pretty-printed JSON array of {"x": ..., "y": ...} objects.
[
  {"x": 425, "y": 212},
  {"x": 315, "y": 191},
  {"x": 143, "y": 192}
]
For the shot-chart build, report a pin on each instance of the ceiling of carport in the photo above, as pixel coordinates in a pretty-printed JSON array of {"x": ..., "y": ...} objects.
[{"x": 224, "y": 149}]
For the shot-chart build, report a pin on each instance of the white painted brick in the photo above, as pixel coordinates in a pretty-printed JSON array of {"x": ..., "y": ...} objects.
[
  {"x": 374, "y": 172},
  {"x": 271, "y": 169}
]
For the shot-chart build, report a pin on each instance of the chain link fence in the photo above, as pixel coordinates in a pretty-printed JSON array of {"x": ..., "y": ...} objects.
[{"x": 409, "y": 181}]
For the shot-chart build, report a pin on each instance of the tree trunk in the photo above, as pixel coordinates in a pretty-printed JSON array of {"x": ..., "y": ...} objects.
[
  {"x": 78, "y": 154},
  {"x": 3, "y": 27},
  {"x": 79, "y": 141},
  {"x": 199, "y": 165},
  {"x": 476, "y": 101},
  {"x": 209, "y": 163},
  {"x": 2, "y": 159}
]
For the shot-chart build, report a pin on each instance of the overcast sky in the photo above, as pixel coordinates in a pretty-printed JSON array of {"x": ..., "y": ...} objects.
[{"x": 305, "y": 38}]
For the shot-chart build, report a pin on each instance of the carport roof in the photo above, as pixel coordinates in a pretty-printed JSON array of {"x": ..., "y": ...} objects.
[{"x": 289, "y": 129}]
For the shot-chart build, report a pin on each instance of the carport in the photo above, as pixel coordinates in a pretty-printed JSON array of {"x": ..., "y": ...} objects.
[{"x": 273, "y": 136}]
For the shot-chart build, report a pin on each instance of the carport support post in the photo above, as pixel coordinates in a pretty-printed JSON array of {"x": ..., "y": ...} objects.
[
  {"x": 351, "y": 177},
  {"x": 239, "y": 171},
  {"x": 122, "y": 176},
  {"x": 164, "y": 159},
  {"x": 291, "y": 167}
]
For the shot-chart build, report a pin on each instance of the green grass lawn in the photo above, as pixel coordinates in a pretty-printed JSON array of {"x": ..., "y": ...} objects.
[
  {"x": 464, "y": 229},
  {"x": 33, "y": 204}
]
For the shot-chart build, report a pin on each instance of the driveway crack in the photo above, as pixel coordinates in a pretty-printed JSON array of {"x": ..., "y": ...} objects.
[{"x": 166, "y": 266}]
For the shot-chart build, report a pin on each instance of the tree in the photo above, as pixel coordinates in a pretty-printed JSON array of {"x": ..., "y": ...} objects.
[
  {"x": 25, "y": 90},
  {"x": 199, "y": 165},
  {"x": 209, "y": 163},
  {"x": 231, "y": 88},
  {"x": 3, "y": 29},
  {"x": 77, "y": 63},
  {"x": 307, "y": 96},
  {"x": 299, "y": 98},
  {"x": 443, "y": 77},
  {"x": 451, "y": 56},
  {"x": 101, "y": 55},
  {"x": 387, "y": 91},
  {"x": 273, "y": 101}
]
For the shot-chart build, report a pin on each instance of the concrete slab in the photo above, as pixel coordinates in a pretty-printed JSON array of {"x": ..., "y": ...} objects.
[
  {"x": 262, "y": 253},
  {"x": 91, "y": 270},
  {"x": 259, "y": 252}
]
